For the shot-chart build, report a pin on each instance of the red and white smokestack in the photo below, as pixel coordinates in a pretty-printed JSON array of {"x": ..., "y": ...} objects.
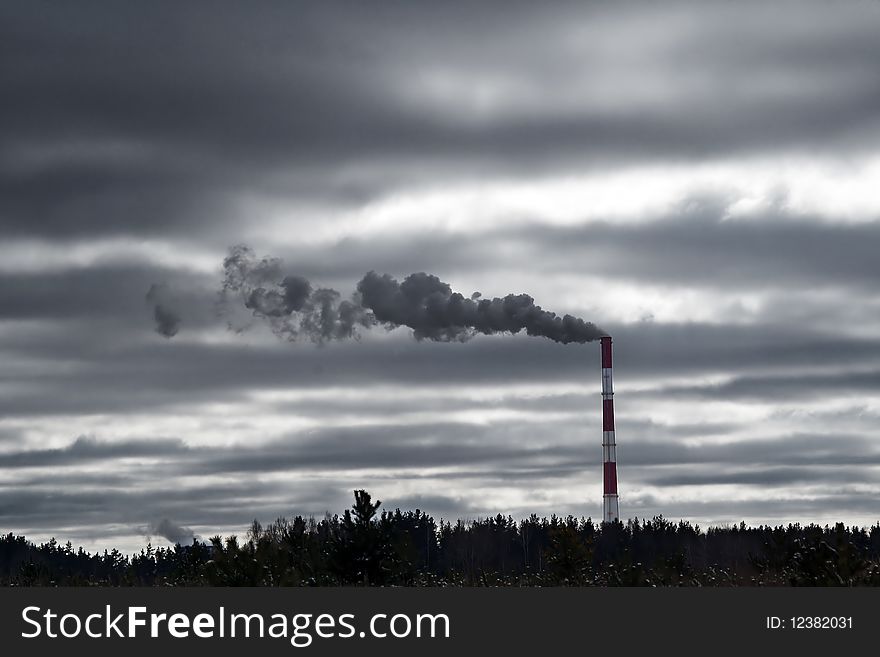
[{"x": 609, "y": 445}]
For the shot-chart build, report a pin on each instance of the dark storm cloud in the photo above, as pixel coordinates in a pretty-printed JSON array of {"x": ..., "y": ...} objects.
[
  {"x": 153, "y": 375},
  {"x": 343, "y": 448},
  {"x": 71, "y": 202},
  {"x": 179, "y": 373},
  {"x": 659, "y": 350},
  {"x": 777, "y": 388},
  {"x": 69, "y": 477},
  {"x": 793, "y": 504},
  {"x": 100, "y": 397},
  {"x": 519, "y": 451},
  {"x": 699, "y": 248},
  {"x": 696, "y": 250},
  {"x": 781, "y": 476},
  {"x": 89, "y": 449},
  {"x": 207, "y": 124},
  {"x": 378, "y": 407},
  {"x": 50, "y": 508},
  {"x": 790, "y": 460},
  {"x": 386, "y": 447},
  {"x": 99, "y": 293},
  {"x": 436, "y": 505},
  {"x": 188, "y": 110},
  {"x": 350, "y": 448},
  {"x": 694, "y": 246},
  {"x": 207, "y": 509},
  {"x": 802, "y": 449},
  {"x": 342, "y": 262},
  {"x": 769, "y": 509}
]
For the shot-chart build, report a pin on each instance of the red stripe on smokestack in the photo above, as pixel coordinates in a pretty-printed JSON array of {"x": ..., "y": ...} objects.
[
  {"x": 610, "y": 478},
  {"x": 607, "y": 415},
  {"x": 606, "y": 352},
  {"x": 609, "y": 442}
]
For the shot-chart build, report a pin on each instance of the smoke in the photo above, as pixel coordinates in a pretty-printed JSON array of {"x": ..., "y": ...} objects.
[
  {"x": 165, "y": 314},
  {"x": 172, "y": 532},
  {"x": 290, "y": 305},
  {"x": 422, "y": 302},
  {"x": 429, "y": 306}
]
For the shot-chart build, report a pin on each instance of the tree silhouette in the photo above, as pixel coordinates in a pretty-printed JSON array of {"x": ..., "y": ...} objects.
[{"x": 364, "y": 547}]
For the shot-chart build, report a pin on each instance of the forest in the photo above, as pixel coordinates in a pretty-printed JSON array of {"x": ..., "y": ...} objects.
[{"x": 366, "y": 547}]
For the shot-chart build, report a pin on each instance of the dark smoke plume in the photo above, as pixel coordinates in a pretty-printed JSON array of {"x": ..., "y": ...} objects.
[
  {"x": 164, "y": 313},
  {"x": 429, "y": 306},
  {"x": 172, "y": 532},
  {"x": 422, "y": 302},
  {"x": 288, "y": 303}
]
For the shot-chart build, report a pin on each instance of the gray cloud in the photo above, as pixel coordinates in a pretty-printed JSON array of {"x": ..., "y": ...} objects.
[
  {"x": 698, "y": 248},
  {"x": 311, "y": 133},
  {"x": 694, "y": 247},
  {"x": 50, "y": 509},
  {"x": 101, "y": 293},
  {"x": 144, "y": 376},
  {"x": 524, "y": 450},
  {"x": 439, "y": 506},
  {"x": 144, "y": 147},
  {"x": 769, "y": 510},
  {"x": 499, "y": 455},
  {"x": 89, "y": 449},
  {"x": 761, "y": 477},
  {"x": 778, "y": 387}
]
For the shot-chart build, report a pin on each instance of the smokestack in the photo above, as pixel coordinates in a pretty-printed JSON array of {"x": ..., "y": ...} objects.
[{"x": 609, "y": 446}]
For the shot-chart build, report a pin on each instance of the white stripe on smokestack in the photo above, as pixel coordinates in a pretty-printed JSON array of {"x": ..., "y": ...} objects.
[{"x": 609, "y": 445}]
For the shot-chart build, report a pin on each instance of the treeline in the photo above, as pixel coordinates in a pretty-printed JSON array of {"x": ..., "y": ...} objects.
[{"x": 363, "y": 547}]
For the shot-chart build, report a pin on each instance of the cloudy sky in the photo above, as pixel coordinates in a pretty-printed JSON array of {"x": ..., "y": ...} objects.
[{"x": 698, "y": 179}]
